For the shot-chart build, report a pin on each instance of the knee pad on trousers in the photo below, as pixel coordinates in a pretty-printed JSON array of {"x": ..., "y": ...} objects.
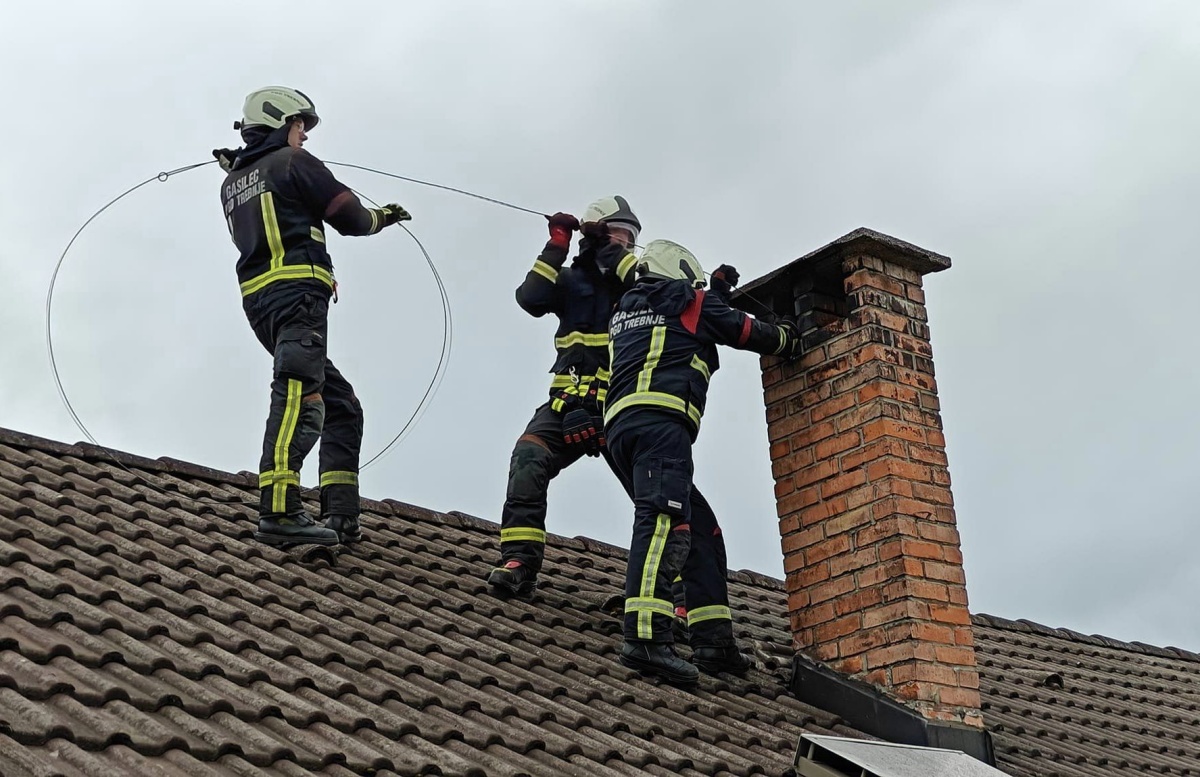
[
  {"x": 675, "y": 552},
  {"x": 300, "y": 353},
  {"x": 529, "y": 471},
  {"x": 309, "y": 426}
]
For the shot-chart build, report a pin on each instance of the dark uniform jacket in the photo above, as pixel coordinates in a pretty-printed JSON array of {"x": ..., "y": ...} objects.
[
  {"x": 583, "y": 297},
  {"x": 275, "y": 205},
  {"x": 664, "y": 348}
]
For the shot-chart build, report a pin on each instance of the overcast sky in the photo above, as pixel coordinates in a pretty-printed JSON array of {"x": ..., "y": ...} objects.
[{"x": 1047, "y": 147}]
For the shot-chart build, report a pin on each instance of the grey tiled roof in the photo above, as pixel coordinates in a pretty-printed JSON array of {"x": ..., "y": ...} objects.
[
  {"x": 142, "y": 633},
  {"x": 145, "y": 634},
  {"x": 1064, "y": 704}
]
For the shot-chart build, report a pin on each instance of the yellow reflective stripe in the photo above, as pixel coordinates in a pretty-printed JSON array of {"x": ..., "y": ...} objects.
[
  {"x": 283, "y": 441},
  {"x": 625, "y": 266},
  {"x": 374, "y": 220},
  {"x": 653, "y": 399},
  {"x": 782, "y": 340},
  {"x": 266, "y": 202},
  {"x": 579, "y": 338},
  {"x": 285, "y": 477},
  {"x": 658, "y": 340},
  {"x": 658, "y": 542},
  {"x": 293, "y": 272},
  {"x": 568, "y": 381},
  {"x": 523, "y": 535},
  {"x": 713, "y": 613},
  {"x": 545, "y": 270},
  {"x": 649, "y": 605},
  {"x": 701, "y": 365},
  {"x": 646, "y": 608},
  {"x": 678, "y": 579},
  {"x": 603, "y": 374},
  {"x": 316, "y": 234},
  {"x": 339, "y": 478}
]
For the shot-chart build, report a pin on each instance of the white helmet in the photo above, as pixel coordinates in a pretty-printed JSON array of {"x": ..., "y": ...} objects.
[
  {"x": 275, "y": 106},
  {"x": 664, "y": 259},
  {"x": 613, "y": 210}
]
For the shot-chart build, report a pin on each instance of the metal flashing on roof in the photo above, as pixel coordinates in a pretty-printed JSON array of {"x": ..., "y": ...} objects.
[{"x": 824, "y": 756}]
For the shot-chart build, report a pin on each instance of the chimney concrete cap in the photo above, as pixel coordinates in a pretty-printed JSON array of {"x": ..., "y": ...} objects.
[{"x": 860, "y": 241}]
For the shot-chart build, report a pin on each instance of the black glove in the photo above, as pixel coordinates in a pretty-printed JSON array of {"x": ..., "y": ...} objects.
[
  {"x": 561, "y": 226},
  {"x": 225, "y": 157},
  {"x": 794, "y": 346},
  {"x": 595, "y": 239},
  {"x": 724, "y": 278},
  {"x": 585, "y": 429},
  {"x": 596, "y": 230},
  {"x": 393, "y": 213}
]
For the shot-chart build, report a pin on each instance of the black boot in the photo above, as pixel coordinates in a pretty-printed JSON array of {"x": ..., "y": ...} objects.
[
  {"x": 714, "y": 660},
  {"x": 659, "y": 659},
  {"x": 513, "y": 579},
  {"x": 339, "y": 510},
  {"x": 293, "y": 529},
  {"x": 346, "y": 526}
]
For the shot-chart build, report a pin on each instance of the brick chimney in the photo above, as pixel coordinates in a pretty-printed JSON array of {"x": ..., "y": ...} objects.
[{"x": 876, "y": 590}]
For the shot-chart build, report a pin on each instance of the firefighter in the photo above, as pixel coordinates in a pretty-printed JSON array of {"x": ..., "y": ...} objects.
[
  {"x": 665, "y": 334},
  {"x": 277, "y": 198},
  {"x": 569, "y": 424}
]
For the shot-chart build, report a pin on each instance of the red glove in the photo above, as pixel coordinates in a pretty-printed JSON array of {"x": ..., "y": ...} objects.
[{"x": 561, "y": 227}]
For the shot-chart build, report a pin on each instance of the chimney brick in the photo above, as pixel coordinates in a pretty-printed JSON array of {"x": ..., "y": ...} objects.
[{"x": 875, "y": 581}]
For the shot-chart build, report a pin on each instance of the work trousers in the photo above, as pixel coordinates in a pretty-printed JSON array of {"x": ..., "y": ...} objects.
[
  {"x": 675, "y": 533},
  {"x": 538, "y": 456},
  {"x": 310, "y": 401}
]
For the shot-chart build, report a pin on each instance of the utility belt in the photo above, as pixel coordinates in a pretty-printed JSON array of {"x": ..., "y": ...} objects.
[{"x": 575, "y": 389}]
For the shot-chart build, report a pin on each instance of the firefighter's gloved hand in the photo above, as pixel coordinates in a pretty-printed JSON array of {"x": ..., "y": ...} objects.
[
  {"x": 584, "y": 429},
  {"x": 595, "y": 230},
  {"x": 595, "y": 239},
  {"x": 794, "y": 347},
  {"x": 225, "y": 157},
  {"x": 393, "y": 213},
  {"x": 561, "y": 226},
  {"x": 724, "y": 278}
]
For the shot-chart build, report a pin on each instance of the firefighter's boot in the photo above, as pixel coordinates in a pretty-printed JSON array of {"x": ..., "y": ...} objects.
[
  {"x": 347, "y": 527},
  {"x": 659, "y": 659},
  {"x": 339, "y": 509},
  {"x": 513, "y": 579},
  {"x": 715, "y": 660},
  {"x": 293, "y": 529}
]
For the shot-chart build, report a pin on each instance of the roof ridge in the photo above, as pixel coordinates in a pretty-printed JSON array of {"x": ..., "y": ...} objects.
[
  {"x": 93, "y": 452},
  {"x": 1099, "y": 640},
  {"x": 757, "y": 579}
]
